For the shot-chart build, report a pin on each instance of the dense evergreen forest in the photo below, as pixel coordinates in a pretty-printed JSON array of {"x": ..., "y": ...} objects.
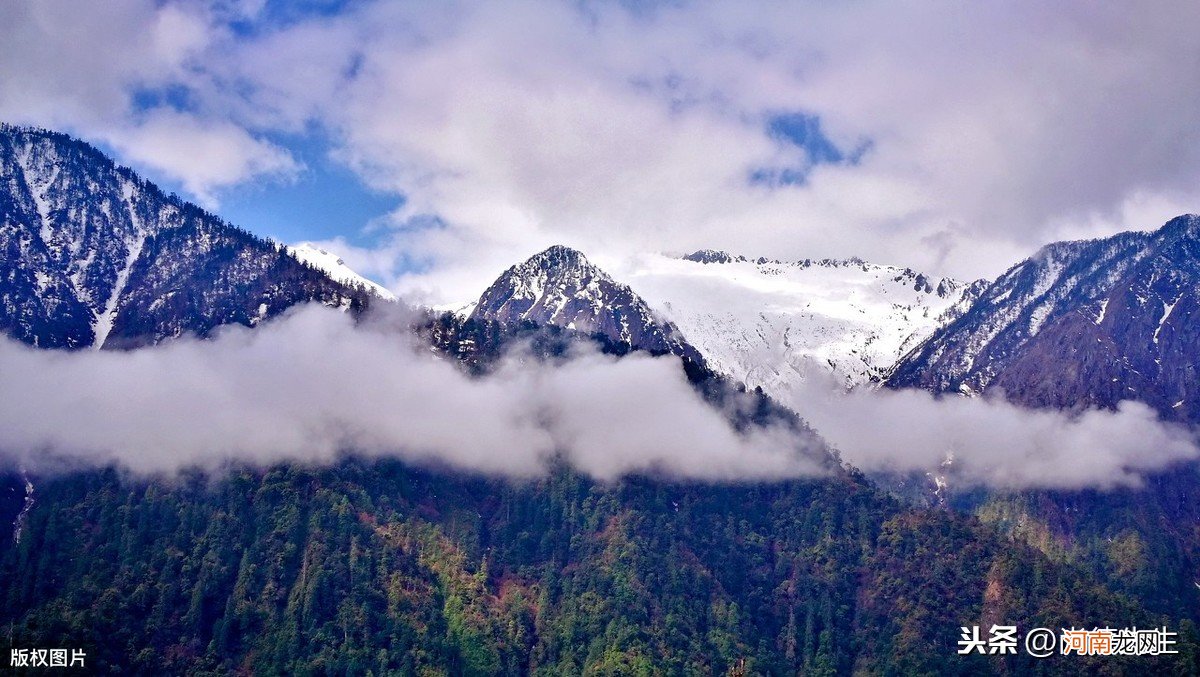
[{"x": 380, "y": 568}]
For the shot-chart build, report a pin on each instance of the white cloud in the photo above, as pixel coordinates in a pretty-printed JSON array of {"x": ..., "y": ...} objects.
[
  {"x": 993, "y": 128},
  {"x": 206, "y": 156},
  {"x": 78, "y": 67},
  {"x": 312, "y": 386},
  {"x": 71, "y": 64},
  {"x": 991, "y": 442}
]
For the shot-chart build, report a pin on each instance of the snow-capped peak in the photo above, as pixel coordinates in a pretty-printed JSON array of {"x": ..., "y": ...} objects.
[
  {"x": 1079, "y": 323},
  {"x": 560, "y": 287},
  {"x": 333, "y": 266}
]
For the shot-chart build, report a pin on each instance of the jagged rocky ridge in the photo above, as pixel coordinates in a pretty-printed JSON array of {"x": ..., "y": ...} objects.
[
  {"x": 1080, "y": 324},
  {"x": 94, "y": 256}
]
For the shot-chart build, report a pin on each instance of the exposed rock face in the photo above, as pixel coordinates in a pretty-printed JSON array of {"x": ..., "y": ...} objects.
[{"x": 712, "y": 256}]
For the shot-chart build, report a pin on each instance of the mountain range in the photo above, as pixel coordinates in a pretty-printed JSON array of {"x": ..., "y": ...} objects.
[{"x": 377, "y": 566}]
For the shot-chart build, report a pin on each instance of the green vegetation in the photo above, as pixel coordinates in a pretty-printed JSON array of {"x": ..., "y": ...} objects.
[{"x": 377, "y": 568}]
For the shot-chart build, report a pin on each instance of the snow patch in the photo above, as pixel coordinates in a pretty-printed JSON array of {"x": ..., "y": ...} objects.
[
  {"x": 37, "y": 190},
  {"x": 104, "y": 320},
  {"x": 1167, "y": 308},
  {"x": 19, "y": 522}
]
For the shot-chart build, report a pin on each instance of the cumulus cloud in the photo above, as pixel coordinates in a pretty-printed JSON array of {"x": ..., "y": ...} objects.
[
  {"x": 312, "y": 387},
  {"x": 989, "y": 442},
  {"x": 205, "y": 156},
  {"x": 989, "y": 129}
]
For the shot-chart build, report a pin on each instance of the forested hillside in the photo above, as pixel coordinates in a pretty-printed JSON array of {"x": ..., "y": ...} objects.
[{"x": 376, "y": 568}]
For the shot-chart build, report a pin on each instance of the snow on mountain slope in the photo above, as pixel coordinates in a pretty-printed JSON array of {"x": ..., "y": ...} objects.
[
  {"x": 1086, "y": 323},
  {"x": 1016, "y": 307},
  {"x": 769, "y": 323},
  {"x": 333, "y": 266}
]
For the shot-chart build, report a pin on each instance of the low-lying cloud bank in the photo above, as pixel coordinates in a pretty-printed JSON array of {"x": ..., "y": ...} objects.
[
  {"x": 989, "y": 442},
  {"x": 311, "y": 387}
]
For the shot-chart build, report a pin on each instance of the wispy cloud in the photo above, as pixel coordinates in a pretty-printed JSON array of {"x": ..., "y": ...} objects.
[{"x": 86, "y": 68}]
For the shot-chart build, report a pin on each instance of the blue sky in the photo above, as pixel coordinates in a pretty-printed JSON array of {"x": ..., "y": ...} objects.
[
  {"x": 323, "y": 201},
  {"x": 803, "y": 131}
]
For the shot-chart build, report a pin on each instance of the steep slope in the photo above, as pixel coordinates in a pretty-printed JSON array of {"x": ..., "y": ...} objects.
[
  {"x": 1080, "y": 324},
  {"x": 560, "y": 287},
  {"x": 91, "y": 255},
  {"x": 770, "y": 323}
]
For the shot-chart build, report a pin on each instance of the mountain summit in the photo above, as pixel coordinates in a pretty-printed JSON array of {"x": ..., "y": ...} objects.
[{"x": 560, "y": 287}]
